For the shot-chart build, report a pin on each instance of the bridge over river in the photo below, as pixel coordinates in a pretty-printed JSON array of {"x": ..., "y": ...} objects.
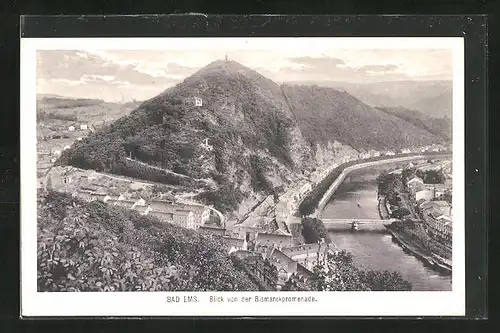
[{"x": 331, "y": 223}]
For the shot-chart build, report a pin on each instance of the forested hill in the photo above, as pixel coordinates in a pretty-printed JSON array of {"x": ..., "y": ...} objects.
[
  {"x": 243, "y": 115},
  {"x": 326, "y": 114},
  {"x": 439, "y": 126},
  {"x": 260, "y": 135}
]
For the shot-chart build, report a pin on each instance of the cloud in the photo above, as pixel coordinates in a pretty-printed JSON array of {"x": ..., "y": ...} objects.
[
  {"x": 378, "y": 68},
  {"x": 317, "y": 62},
  {"x": 326, "y": 68},
  {"x": 87, "y": 67},
  {"x": 135, "y": 73},
  {"x": 336, "y": 68}
]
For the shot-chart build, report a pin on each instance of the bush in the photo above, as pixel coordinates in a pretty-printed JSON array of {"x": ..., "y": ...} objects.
[
  {"x": 415, "y": 233},
  {"x": 97, "y": 247},
  {"x": 400, "y": 213},
  {"x": 313, "y": 230},
  {"x": 340, "y": 274}
]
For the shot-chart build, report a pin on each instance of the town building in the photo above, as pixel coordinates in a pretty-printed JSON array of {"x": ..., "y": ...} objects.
[
  {"x": 85, "y": 195},
  {"x": 409, "y": 166},
  {"x": 285, "y": 265},
  {"x": 305, "y": 189},
  {"x": 143, "y": 210},
  {"x": 198, "y": 101},
  {"x": 71, "y": 128},
  {"x": 57, "y": 153},
  {"x": 205, "y": 145},
  {"x": 217, "y": 231},
  {"x": 424, "y": 193},
  {"x": 129, "y": 204},
  {"x": 249, "y": 233},
  {"x": 67, "y": 147},
  {"x": 99, "y": 196},
  {"x": 438, "y": 190},
  {"x": 234, "y": 244},
  {"x": 448, "y": 180},
  {"x": 414, "y": 180},
  {"x": 162, "y": 205},
  {"x": 268, "y": 239},
  {"x": 309, "y": 255},
  {"x": 201, "y": 213},
  {"x": 139, "y": 202},
  {"x": 443, "y": 206},
  {"x": 439, "y": 226},
  {"x": 180, "y": 218},
  {"x": 83, "y": 127}
]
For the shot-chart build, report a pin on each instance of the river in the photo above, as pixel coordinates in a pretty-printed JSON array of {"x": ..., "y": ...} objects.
[{"x": 371, "y": 246}]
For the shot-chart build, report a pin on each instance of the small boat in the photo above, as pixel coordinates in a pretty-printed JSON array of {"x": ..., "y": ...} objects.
[{"x": 358, "y": 204}]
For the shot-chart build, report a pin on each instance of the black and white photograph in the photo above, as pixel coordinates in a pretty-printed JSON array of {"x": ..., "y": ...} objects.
[{"x": 279, "y": 171}]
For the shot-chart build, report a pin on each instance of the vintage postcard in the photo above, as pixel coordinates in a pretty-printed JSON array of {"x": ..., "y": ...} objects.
[{"x": 242, "y": 177}]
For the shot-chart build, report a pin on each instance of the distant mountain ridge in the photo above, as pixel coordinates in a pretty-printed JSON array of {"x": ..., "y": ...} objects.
[
  {"x": 440, "y": 127},
  {"x": 325, "y": 114},
  {"x": 260, "y": 135},
  {"x": 433, "y": 98}
]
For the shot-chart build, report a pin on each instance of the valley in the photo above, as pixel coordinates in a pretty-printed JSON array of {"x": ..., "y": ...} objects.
[{"x": 229, "y": 155}]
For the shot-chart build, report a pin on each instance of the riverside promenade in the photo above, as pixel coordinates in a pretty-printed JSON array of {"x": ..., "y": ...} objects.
[{"x": 336, "y": 183}]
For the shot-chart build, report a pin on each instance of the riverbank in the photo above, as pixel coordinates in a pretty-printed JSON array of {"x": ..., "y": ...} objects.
[
  {"x": 320, "y": 196},
  {"x": 430, "y": 260},
  {"x": 372, "y": 246},
  {"x": 411, "y": 234},
  {"x": 383, "y": 211}
]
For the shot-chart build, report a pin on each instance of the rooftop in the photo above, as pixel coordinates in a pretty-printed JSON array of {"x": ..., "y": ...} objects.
[{"x": 442, "y": 203}]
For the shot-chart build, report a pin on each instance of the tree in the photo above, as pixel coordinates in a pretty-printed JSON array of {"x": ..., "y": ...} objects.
[
  {"x": 394, "y": 199},
  {"x": 313, "y": 230},
  {"x": 400, "y": 213},
  {"x": 340, "y": 274},
  {"x": 433, "y": 177}
]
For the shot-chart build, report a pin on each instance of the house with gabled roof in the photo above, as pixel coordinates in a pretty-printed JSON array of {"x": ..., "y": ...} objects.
[
  {"x": 162, "y": 205},
  {"x": 309, "y": 255},
  {"x": 424, "y": 193},
  {"x": 140, "y": 202},
  {"x": 414, "y": 180},
  {"x": 99, "y": 196},
  {"x": 122, "y": 203},
  {"x": 143, "y": 210},
  {"x": 234, "y": 244},
  {"x": 285, "y": 265}
]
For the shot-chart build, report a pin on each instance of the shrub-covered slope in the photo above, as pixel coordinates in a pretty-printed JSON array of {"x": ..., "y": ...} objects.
[{"x": 96, "y": 247}]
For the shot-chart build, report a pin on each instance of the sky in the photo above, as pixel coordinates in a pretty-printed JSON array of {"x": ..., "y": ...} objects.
[{"x": 124, "y": 74}]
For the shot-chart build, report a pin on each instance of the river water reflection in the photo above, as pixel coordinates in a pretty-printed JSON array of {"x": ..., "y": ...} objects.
[{"x": 372, "y": 247}]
